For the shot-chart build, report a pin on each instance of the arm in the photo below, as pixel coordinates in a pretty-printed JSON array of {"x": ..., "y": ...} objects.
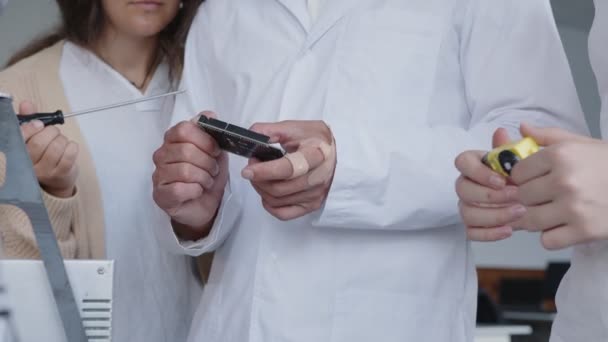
[
  {"x": 61, "y": 203},
  {"x": 514, "y": 69},
  {"x": 18, "y": 239},
  {"x": 203, "y": 237}
]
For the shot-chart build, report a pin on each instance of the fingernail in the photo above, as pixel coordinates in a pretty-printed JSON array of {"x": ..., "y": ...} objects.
[
  {"x": 217, "y": 152},
  {"x": 505, "y": 232},
  {"x": 216, "y": 170},
  {"x": 498, "y": 181},
  {"x": 37, "y": 124},
  {"x": 518, "y": 210},
  {"x": 247, "y": 174},
  {"x": 210, "y": 183}
]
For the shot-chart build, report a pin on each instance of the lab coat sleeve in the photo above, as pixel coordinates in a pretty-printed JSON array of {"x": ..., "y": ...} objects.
[
  {"x": 220, "y": 230},
  {"x": 197, "y": 98},
  {"x": 514, "y": 69}
]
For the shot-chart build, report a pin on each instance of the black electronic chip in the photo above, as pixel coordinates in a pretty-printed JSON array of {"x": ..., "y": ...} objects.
[{"x": 240, "y": 141}]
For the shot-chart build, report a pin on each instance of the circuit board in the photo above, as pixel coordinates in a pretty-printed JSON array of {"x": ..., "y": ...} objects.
[{"x": 240, "y": 141}]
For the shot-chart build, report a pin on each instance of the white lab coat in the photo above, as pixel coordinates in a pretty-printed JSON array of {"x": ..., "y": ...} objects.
[
  {"x": 153, "y": 289},
  {"x": 405, "y": 87},
  {"x": 582, "y": 298}
]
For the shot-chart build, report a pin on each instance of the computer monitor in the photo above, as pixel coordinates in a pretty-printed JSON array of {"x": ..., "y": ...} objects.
[{"x": 32, "y": 306}]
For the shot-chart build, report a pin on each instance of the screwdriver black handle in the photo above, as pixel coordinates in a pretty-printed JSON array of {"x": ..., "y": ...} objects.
[{"x": 47, "y": 119}]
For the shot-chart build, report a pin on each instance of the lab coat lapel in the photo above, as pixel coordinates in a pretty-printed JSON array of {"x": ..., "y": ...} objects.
[
  {"x": 299, "y": 10},
  {"x": 331, "y": 14}
]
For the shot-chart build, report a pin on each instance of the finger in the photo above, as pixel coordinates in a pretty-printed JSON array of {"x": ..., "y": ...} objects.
[
  {"x": 184, "y": 173},
  {"x": 489, "y": 234},
  {"x": 31, "y": 128},
  {"x": 38, "y": 143},
  {"x": 290, "y": 133},
  {"x": 550, "y": 136},
  {"x": 280, "y": 131},
  {"x": 476, "y": 217},
  {"x": 471, "y": 192},
  {"x": 537, "y": 165},
  {"x": 68, "y": 160},
  {"x": 279, "y": 169},
  {"x": 290, "y": 212},
  {"x": 500, "y": 137},
  {"x": 186, "y": 153},
  {"x": 284, "y": 188},
  {"x": 170, "y": 196},
  {"x": 561, "y": 237},
  {"x": 470, "y": 165},
  {"x": 53, "y": 153},
  {"x": 537, "y": 191},
  {"x": 188, "y": 132},
  {"x": 282, "y": 169},
  {"x": 543, "y": 217},
  {"x": 27, "y": 108},
  {"x": 206, "y": 113},
  {"x": 307, "y": 196}
]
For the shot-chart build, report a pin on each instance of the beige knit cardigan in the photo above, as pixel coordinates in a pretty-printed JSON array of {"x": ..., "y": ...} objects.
[{"x": 77, "y": 221}]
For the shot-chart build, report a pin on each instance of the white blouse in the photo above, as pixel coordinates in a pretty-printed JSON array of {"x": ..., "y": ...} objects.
[{"x": 154, "y": 292}]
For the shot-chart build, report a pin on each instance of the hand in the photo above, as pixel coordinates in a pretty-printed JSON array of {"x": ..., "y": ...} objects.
[
  {"x": 53, "y": 155},
  {"x": 189, "y": 180},
  {"x": 297, "y": 184},
  {"x": 488, "y": 205},
  {"x": 564, "y": 188}
]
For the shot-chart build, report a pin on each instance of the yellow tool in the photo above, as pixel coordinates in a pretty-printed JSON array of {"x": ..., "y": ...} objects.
[{"x": 503, "y": 158}]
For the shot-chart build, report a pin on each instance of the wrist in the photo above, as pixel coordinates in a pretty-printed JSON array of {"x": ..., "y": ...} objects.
[
  {"x": 60, "y": 193},
  {"x": 192, "y": 233}
]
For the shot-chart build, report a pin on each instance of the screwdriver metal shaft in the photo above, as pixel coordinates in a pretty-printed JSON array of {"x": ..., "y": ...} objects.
[
  {"x": 57, "y": 118},
  {"x": 122, "y": 104}
]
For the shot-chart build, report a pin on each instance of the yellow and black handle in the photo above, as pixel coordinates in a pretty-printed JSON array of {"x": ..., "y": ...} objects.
[{"x": 504, "y": 158}]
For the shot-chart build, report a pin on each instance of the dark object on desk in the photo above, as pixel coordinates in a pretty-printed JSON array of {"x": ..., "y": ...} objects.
[
  {"x": 521, "y": 294},
  {"x": 553, "y": 276},
  {"x": 533, "y": 295},
  {"x": 487, "y": 310}
]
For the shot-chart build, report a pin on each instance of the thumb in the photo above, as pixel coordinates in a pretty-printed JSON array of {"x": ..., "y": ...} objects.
[
  {"x": 550, "y": 135},
  {"x": 26, "y": 108},
  {"x": 206, "y": 113},
  {"x": 279, "y": 132},
  {"x": 500, "y": 137}
]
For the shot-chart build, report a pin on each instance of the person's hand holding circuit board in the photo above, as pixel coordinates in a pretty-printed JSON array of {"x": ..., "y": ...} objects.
[{"x": 191, "y": 170}]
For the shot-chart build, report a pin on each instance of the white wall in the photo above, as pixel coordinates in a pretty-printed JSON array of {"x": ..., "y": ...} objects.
[{"x": 23, "y": 20}]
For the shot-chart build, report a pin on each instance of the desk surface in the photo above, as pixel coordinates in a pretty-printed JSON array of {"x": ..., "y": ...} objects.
[
  {"x": 502, "y": 330},
  {"x": 529, "y": 316}
]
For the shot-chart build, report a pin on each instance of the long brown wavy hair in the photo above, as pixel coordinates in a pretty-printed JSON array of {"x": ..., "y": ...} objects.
[{"x": 82, "y": 22}]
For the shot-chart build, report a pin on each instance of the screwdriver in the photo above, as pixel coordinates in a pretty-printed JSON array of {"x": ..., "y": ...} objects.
[{"x": 58, "y": 118}]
